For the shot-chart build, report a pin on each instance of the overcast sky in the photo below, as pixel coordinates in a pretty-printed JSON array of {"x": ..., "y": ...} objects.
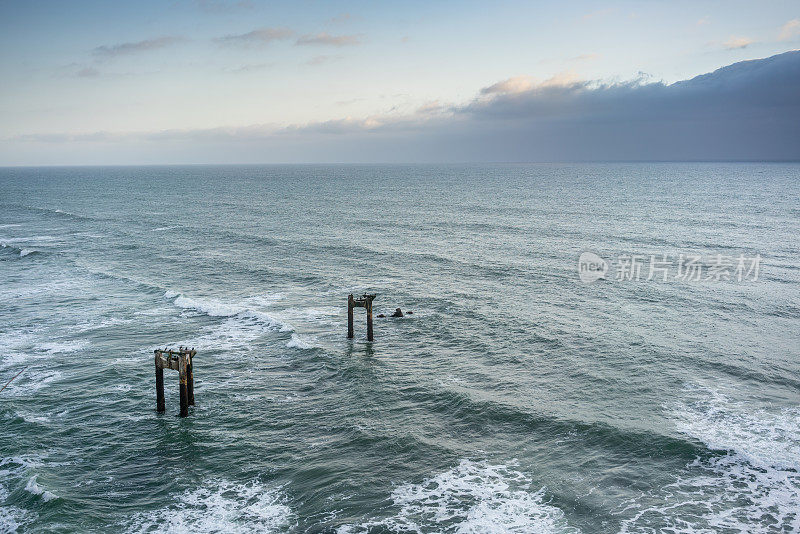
[{"x": 97, "y": 82}]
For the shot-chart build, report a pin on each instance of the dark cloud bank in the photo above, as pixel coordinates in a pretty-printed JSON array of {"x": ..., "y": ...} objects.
[
  {"x": 745, "y": 111},
  {"x": 748, "y": 110}
]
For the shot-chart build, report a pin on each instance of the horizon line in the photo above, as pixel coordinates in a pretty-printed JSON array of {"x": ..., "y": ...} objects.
[{"x": 409, "y": 163}]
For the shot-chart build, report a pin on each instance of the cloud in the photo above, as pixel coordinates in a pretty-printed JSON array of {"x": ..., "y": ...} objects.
[
  {"x": 524, "y": 84},
  {"x": 790, "y": 30},
  {"x": 746, "y": 111},
  {"x": 260, "y": 36},
  {"x": 735, "y": 43},
  {"x": 139, "y": 46},
  {"x": 433, "y": 108},
  {"x": 517, "y": 84},
  {"x": 327, "y": 39}
]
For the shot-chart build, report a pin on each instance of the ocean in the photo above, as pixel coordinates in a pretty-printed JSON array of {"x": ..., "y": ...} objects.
[{"x": 520, "y": 395}]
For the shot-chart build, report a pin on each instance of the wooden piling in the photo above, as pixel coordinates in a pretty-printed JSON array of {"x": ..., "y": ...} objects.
[
  {"x": 364, "y": 301},
  {"x": 183, "y": 386},
  {"x": 181, "y": 360},
  {"x": 368, "y": 305},
  {"x": 190, "y": 379},
  {"x": 350, "y": 306},
  {"x": 160, "y": 407}
]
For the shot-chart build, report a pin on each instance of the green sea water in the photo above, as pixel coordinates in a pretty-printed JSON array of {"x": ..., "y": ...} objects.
[{"x": 516, "y": 398}]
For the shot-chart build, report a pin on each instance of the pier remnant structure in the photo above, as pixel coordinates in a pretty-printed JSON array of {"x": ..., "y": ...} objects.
[
  {"x": 180, "y": 360},
  {"x": 364, "y": 301}
]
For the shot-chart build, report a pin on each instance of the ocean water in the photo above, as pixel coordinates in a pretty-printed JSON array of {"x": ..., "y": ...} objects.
[{"x": 516, "y": 398}]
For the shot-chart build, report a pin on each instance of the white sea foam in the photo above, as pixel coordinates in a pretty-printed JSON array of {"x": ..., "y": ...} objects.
[
  {"x": 43, "y": 290},
  {"x": 247, "y": 310},
  {"x": 33, "y": 487},
  {"x": 22, "y": 347},
  {"x": 62, "y": 347},
  {"x": 230, "y": 335},
  {"x": 31, "y": 381},
  {"x": 29, "y": 417},
  {"x": 300, "y": 342},
  {"x": 211, "y": 307},
  {"x": 763, "y": 438},
  {"x": 14, "y": 347},
  {"x": 25, "y": 252},
  {"x": 752, "y": 485},
  {"x": 12, "y": 518},
  {"x": 220, "y": 506},
  {"x": 473, "y": 497}
]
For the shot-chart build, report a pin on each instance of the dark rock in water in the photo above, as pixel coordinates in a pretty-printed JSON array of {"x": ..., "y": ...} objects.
[
  {"x": 380, "y": 316},
  {"x": 397, "y": 313},
  {"x": 409, "y": 313}
]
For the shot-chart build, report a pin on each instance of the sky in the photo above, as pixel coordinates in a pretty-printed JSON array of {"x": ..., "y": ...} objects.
[{"x": 243, "y": 81}]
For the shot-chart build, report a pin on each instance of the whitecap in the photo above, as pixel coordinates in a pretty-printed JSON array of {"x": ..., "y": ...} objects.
[
  {"x": 36, "y": 419},
  {"x": 752, "y": 484},
  {"x": 763, "y": 438},
  {"x": 473, "y": 497},
  {"x": 13, "y": 518},
  {"x": 25, "y": 252},
  {"x": 33, "y": 487},
  {"x": 300, "y": 342},
  {"x": 219, "y": 506}
]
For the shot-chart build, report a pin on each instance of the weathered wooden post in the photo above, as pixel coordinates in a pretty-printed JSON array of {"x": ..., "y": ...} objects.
[
  {"x": 368, "y": 305},
  {"x": 350, "y": 305},
  {"x": 364, "y": 301},
  {"x": 183, "y": 386},
  {"x": 190, "y": 379},
  {"x": 159, "y": 384},
  {"x": 180, "y": 360}
]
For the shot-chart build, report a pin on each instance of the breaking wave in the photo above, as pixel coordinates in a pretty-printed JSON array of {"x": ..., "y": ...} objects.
[
  {"x": 34, "y": 488},
  {"x": 219, "y": 506},
  {"x": 751, "y": 484},
  {"x": 473, "y": 497}
]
